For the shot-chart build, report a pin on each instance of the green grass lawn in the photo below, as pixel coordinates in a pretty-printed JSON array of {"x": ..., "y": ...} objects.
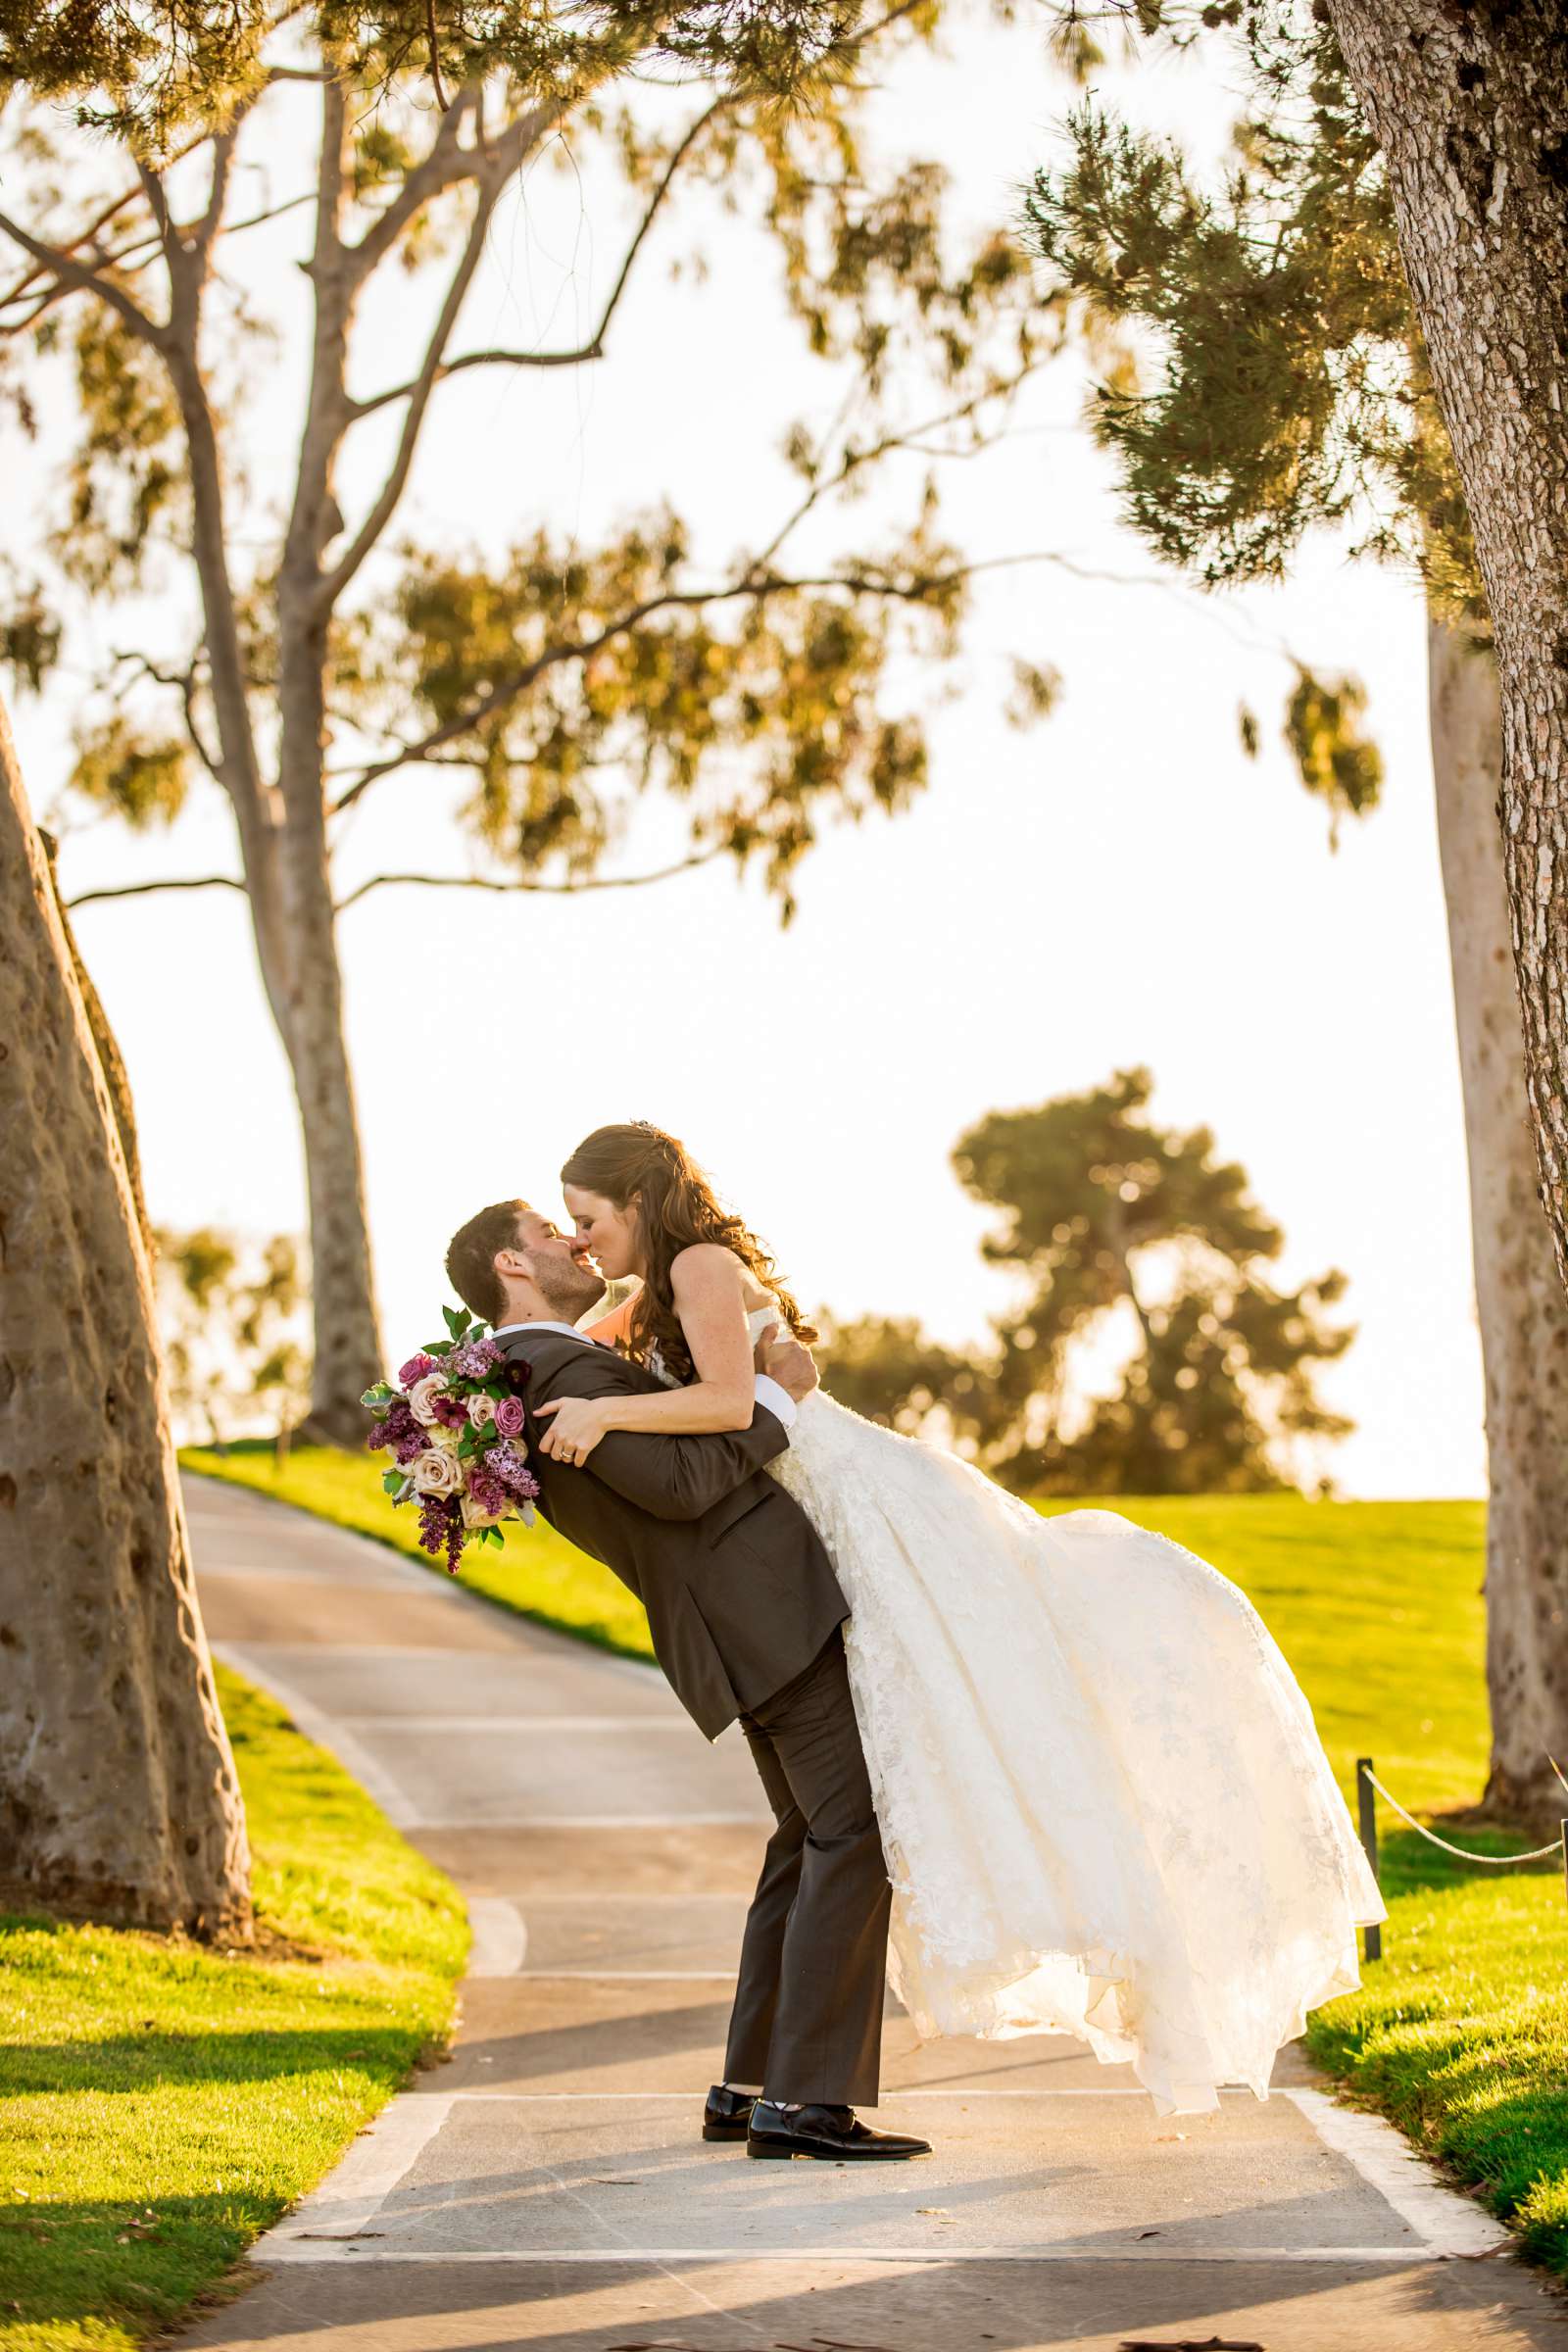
[
  {"x": 535, "y": 1571},
  {"x": 162, "y": 2103},
  {"x": 1461, "y": 2030}
]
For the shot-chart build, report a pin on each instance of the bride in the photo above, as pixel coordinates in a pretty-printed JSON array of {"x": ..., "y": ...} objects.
[{"x": 1104, "y": 1804}]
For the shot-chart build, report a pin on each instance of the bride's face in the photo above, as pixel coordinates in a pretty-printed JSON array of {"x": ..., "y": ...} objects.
[{"x": 605, "y": 1232}]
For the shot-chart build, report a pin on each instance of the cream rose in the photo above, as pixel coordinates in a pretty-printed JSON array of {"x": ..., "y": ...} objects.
[
  {"x": 481, "y": 1411},
  {"x": 474, "y": 1516},
  {"x": 446, "y": 1441},
  {"x": 435, "y": 1472},
  {"x": 423, "y": 1396}
]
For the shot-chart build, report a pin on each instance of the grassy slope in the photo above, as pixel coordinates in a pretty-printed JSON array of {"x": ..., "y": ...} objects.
[
  {"x": 535, "y": 1571},
  {"x": 161, "y": 2104},
  {"x": 1461, "y": 2031}
]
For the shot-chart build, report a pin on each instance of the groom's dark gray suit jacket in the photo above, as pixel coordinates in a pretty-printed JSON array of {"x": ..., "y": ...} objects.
[{"x": 741, "y": 1596}]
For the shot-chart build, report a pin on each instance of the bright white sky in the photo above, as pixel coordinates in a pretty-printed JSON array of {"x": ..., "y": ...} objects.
[{"x": 1119, "y": 886}]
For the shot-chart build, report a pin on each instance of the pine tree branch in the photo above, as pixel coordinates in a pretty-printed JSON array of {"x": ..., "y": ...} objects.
[{"x": 661, "y": 874}]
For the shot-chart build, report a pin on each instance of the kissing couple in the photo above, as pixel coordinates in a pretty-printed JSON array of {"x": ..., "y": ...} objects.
[{"x": 1049, "y": 1776}]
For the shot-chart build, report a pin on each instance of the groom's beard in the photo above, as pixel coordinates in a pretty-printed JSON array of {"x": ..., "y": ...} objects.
[{"x": 567, "y": 1287}]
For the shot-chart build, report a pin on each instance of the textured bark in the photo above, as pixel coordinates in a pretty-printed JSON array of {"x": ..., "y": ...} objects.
[
  {"x": 110, "y": 1059},
  {"x": 117, "y": 1792},
  {"x": 1468, "y": 100},
  {"x": 1520, "y": 1302}
]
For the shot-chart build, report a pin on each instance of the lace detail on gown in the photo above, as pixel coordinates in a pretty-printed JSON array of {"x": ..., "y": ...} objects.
[{"x": 1102, "y": 1799}]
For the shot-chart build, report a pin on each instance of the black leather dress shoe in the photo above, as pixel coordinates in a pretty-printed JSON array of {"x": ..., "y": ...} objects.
[
  {"x": 727, "y": 2113},
  {"x": 831, "y": 2134}
]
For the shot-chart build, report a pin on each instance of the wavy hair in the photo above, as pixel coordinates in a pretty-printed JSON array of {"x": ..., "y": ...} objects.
[{"x": 676, "y": 1208}]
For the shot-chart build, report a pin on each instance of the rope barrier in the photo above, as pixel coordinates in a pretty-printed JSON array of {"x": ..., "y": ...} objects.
[{"x": 1496, "y": 1861}]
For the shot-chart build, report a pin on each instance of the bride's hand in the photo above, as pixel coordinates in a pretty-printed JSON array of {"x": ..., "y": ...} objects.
[{"x": 579, "y": 1425}]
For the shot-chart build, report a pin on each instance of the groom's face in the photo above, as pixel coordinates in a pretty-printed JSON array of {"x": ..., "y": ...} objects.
[{"x": 554, "y": 1267}]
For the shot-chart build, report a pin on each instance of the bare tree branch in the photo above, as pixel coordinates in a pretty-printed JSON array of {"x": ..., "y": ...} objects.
[
  {"x": 594, "y": 348},
  {"x": 385, "y": 504},
  {"x": 661, "y": 873},
  {"x": 446, "y": 162},
  {"x": 70, "y": 272},
  {"x": 142, "y": 889},
  {"x": 494, "y": 168}
]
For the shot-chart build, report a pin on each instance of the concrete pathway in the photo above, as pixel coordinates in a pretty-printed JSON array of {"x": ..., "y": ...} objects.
[{"x": 547, "y": 2185}]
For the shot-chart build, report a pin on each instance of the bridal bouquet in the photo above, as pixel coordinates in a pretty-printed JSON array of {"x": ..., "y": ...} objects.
[{"x": 452, "y": 1425}]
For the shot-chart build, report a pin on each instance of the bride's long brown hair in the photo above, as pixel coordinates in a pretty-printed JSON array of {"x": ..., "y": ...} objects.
[{"x": 676, "y": 1208}]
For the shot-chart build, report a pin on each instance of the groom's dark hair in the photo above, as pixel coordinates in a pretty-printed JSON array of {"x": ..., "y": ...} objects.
[{"x": 472, "y": 1258}]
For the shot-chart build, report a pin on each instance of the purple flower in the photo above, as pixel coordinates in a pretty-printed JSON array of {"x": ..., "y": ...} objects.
[
  {"x": 415, "y": 1369},
  {"x": 487, "y": 1494},
  {"x": 509, "y": 1416},
  {"x": 509, "y": 1465},
  {"x": 451, "y": 1411},
  {"x": 471, "y": 1360},
  {"x": 437, "y": 1515},
  {"x": 394, "y": 1428}
]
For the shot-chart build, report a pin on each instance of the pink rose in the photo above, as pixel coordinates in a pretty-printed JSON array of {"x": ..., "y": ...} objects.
[
  {"x": 509, "y": 1416},
  {"x": 415, "y": 1369}
]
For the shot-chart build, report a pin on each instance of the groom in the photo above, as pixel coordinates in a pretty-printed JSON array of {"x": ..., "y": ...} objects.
[{"x": 745, "y": 1616}]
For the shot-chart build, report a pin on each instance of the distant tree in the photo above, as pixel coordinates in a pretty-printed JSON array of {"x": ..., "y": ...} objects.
[
  {"x": 1110, "y": 1220},
  {"x": 1103, "y": 1215},
  {"x": 889, "y": 1370},
  {"x": 230, "y": 1312},
  {"x": 298, "y": 656},
  {"x": 1283, "y": 385}
]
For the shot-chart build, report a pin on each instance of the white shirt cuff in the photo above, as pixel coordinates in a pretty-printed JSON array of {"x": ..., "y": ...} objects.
[{"x": 778, "y": 1400}]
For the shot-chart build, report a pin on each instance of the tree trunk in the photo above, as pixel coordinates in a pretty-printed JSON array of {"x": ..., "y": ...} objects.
[
  {"x": 282, "y": 840},
  {"x": 1520, "y": 1303},
  {"x": 110, "y": 1059},
  {"x": 1470, "y": 106},
  {"x": 117, "y": 1792},
  {"x": 348, "y": 1341}
]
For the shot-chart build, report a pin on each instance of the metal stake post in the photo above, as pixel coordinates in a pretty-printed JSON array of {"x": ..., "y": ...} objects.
[{"x": 1367, "y": 1807}]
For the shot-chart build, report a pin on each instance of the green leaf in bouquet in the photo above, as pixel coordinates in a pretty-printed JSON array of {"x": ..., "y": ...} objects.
[
  {"x": 456, "y": 1320},
  {"x": 382, "y": 1392},
  {"x": 467, "y": 1445},
  {"x": 436, "y": 1347},
  {"x": 391, "y": 1480}
]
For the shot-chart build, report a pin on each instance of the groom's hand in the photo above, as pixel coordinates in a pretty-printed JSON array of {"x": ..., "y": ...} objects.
[{"x": 786, "y": 1361}]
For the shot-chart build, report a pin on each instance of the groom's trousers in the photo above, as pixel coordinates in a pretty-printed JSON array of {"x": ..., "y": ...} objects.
[{"x": 807, "y": 2019}]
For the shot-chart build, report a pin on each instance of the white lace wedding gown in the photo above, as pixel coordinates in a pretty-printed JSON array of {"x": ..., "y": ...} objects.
[{"x": 1103, "y": 1803}]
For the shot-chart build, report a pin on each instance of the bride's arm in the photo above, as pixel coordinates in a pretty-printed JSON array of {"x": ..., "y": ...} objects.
[{"x": 709, "y": 1287}]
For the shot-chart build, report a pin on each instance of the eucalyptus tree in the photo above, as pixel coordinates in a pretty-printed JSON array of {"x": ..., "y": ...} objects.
[
  {"x": 1286, "y": 386},
  {"x": 314, "y": 656},
  {"x": 1469, "y": 106},
  {"x": 121, "y": 1795}
]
